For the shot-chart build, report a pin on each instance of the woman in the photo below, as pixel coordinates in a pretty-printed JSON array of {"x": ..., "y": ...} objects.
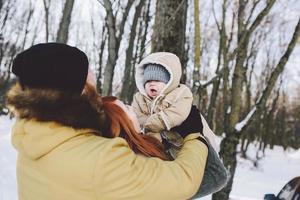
[{"x": 66, "y": 144}]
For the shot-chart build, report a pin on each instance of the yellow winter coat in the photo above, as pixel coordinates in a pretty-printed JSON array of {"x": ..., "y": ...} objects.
[
  {"x": 61, "y": 158},
  {"x": 57, "y": 162}
]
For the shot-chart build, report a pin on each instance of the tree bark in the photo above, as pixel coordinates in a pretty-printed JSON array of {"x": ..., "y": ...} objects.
[
  {"x": 128, "y": 75},
  {"x": 169, "y": 29},
  {"x": 29, "y": 17},
  {"x": 46, "y": 8},
  {"x": 197, "y": 45},
  {"x": 101, "y": 51},
  {"x": 113, "y": 44},
  {"x": 146, "y": 18},
  {"x": 63, "y": 31},
  {"x": 222, "y": 59}
]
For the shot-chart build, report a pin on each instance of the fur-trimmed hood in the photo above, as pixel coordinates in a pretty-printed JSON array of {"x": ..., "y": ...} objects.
[
  {"x": 52, "y": 105},
  {"x": 168, "y": 60}
]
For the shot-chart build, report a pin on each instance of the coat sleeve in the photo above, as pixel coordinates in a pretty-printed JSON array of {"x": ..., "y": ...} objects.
[
  {"x": 209, "y": 134},
  {"x": 141, "y": 115},
  {"x": 173, "y": 115},
  {"x": 121, "y": 174}
]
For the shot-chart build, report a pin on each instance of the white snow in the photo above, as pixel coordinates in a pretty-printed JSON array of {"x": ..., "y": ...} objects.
[
  {"x": 8, "y": 186},
  {"x": 239, "y": 126},
  {"x": 250, "y": 183},
  {"x": 229, "y": 110}
]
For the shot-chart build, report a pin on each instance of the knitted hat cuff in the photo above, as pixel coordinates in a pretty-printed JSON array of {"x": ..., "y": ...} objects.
[{"x": 156, "y": 72}]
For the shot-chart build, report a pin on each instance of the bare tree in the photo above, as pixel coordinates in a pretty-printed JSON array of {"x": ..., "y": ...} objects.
[
  {"x": 114, "y": 40},
  {"x": 146, "y": 19},
  {"x": 234, "y": 128},
  {"x": 28, "y": 19},
  {"x": 46, "y": 8},
  {"x": 169, "y": 29},
  {"x": 63, "y": 30},
  {"x": 126, "y": 95},
  {"x": 102, "y": 49},
  {"x": 199, "y": 92}
]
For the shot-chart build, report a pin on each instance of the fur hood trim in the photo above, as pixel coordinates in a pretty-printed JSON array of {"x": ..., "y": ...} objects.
[{"x": 53, "y": 105}]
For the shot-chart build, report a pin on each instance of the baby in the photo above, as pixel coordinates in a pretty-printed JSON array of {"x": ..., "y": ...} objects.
[{"x": 162, "y": 102}]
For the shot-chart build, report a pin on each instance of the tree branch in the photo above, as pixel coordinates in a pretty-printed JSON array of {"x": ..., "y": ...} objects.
[
  {"x": 273, "y": 78},
  {"x": 257, "y": 21}
]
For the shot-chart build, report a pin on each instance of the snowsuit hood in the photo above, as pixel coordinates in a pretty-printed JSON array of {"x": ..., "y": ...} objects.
[{"x": 168, "y": 60}]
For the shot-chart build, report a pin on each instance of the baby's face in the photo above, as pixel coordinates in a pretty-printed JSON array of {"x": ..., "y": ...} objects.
[{"x": 154, "y": 88}]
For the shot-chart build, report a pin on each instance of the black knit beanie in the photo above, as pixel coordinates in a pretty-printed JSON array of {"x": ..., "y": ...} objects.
[{"x": 52, "y": 65}]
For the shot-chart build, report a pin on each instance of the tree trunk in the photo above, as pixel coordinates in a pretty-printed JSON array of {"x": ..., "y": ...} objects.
[
  {"x": 229, "y": 144},
  {"x": 62, "y": 33},
  {"x": 29, "y": 17},
  {"x": 46, "y": 8},
  {"x": 197, "y": 46},
  {"x": 146, "y": 18},
  {"x": 113, "y": 44},
  {"x": 101, "y": 51},
  {"x": 222, "y": 58},
  {"x": 169, "y": 29},
  {"x": 128, "y": 75},
  {"x": 274, "y": 76}
]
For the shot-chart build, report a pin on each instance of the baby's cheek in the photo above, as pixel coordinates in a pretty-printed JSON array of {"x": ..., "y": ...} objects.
[{"x": 148, "y": 92}]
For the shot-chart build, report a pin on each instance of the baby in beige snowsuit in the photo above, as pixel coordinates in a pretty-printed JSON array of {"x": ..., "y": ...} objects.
[{"x": 162, "y": 102}]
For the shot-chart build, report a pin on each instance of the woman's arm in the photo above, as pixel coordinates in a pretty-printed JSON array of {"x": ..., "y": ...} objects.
[{"x": 121, "y": 174}]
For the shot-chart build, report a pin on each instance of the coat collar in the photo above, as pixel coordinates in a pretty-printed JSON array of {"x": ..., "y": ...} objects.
[{"x": 56, "y": 106}]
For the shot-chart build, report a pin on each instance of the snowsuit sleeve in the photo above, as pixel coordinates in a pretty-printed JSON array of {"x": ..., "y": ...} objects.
[
  {"x": 180, "y": 103},
  {"x": 139, "y": 109},
  {"x": 125, "y": 175}
]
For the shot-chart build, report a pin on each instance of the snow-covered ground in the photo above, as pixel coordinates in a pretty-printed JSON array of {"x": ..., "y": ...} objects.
[{"x": 250, "y": 183}]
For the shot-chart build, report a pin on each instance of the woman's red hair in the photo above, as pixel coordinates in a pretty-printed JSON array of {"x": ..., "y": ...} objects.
[{"x": 120, "y": 125}]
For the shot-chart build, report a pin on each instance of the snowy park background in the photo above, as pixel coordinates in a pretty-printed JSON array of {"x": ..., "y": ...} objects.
[
  {"x": 250, "y": 183},
  {"x": 27, "y": 22}
]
